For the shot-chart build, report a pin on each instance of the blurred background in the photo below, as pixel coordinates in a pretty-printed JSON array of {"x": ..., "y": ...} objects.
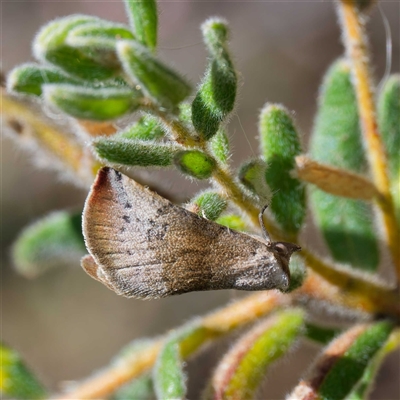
[{"x": 64, "y": 323}]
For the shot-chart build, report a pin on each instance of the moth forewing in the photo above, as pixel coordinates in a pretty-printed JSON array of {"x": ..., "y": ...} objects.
[{"x": 144, "y": 246}]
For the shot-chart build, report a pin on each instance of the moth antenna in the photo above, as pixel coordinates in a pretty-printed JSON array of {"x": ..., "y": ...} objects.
[{"x": 263, "y": 228}]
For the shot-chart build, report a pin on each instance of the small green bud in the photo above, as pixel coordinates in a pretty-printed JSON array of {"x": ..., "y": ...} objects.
[
  {"x": 55, "y": 240},
  {"x": 195, "y": 163},
  {"x": 232, "y": 221},
  {"x": 185, "y": 113},
  {"x": 215, "y": 98},
  {"x": 143, "y": 18},
  {"x": 252, "y": 176},
  {"x": 389, "y": 122},
  {"x": 16, "y": 380},
  {"x": 134, "y": 152},
  {"x": 209, "y": 205},
  {"x": 94, "y": 104},
  {"x": 219, "y": 146},
  {"x": 280, "y": 144},
  {"x": 347, "y": 225},
  {"x": 147, "y": 128},
  {"x": 157, "y": 81},
  {"x": 29, "y": 78},
  {"x": 50, "y": 46}
]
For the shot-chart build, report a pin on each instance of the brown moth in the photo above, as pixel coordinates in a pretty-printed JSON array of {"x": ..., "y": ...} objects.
[{"x": 141, "y": 245}]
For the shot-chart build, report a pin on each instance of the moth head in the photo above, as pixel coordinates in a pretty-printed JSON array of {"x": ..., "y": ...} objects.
[{"x": 283, "y": 251}]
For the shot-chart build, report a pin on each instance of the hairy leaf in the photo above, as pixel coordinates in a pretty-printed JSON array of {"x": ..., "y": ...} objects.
[{"x": 346, "y": 224}]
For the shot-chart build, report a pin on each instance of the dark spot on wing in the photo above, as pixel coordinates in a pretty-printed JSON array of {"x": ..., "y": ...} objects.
[
  {"x": 162, "y": 210},
  {"x": 157, "y": 232},
  {"x": 126, "y": 218},
  {"x": 118, "y": 175},
  {"x": 127, "y": 205}
]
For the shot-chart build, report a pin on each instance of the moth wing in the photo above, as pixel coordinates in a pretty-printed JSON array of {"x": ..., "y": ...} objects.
[
  {"x": 148, "y": 247},
  {"x": 92, "y": 269},
  {"x": 143, "y": 246}
]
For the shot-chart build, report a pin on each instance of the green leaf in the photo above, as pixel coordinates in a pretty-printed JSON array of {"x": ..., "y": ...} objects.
[
  {"x": 232, "y": 221},
  {"x": 195, "y": 163},
  {"x": 347, "y": 225},
  {"x": 252, "y": 176},
  {"x": 209, "y": 205},
  {"x": 50, "y": 46},
  {"x": 243, "y": 368},
  {"x": 280, "y": 144},
  {"x": 215, "y": 98},
  {"x": 168, "y": 374},
  {"x": 147, "y": 128},
  {"x": 102, "y": 29},
  {"x": 134, "y": 152},
  {"x": 54, "y": 240},
  {"x": 169, "y": 378},
  {"x": 389, "y": 122},
  {"x": 29, "y": 78},
  {"x": 366, "y": 383},
  {"x": 98, "y": 41},
  {"x": 157, "y": 81},
  {"x": 143, "y": 18},
  {"x": 298, "y": 273},
  {"x": 349, "y": 369},
  {"x": 219, "y": 146},
  {"x": 16, "y": 380},
  {"x": 138, "y": 389},
  {"x": 90, "y": 103}
]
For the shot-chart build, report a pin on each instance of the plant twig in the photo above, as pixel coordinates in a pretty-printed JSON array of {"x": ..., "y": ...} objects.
[
  {"x": 317, "y": 288},
  {"x": 355, "y": 42},
  {"x": 373, "y": 296}
]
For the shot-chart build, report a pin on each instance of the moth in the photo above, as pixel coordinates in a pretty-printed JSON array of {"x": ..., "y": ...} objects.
[{"x": 143, "y": 246}]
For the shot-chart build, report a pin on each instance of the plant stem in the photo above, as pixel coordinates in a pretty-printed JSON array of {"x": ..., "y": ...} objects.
[
  {"x": 356, "y": 44},
  {"x": 29, "y": 122},
  {"x": 177, "y": 130},
  {"x": 225, "y": 320}
]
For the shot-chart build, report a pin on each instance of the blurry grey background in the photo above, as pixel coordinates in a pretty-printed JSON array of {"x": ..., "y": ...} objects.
[{"x": 64, "y": 323}]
